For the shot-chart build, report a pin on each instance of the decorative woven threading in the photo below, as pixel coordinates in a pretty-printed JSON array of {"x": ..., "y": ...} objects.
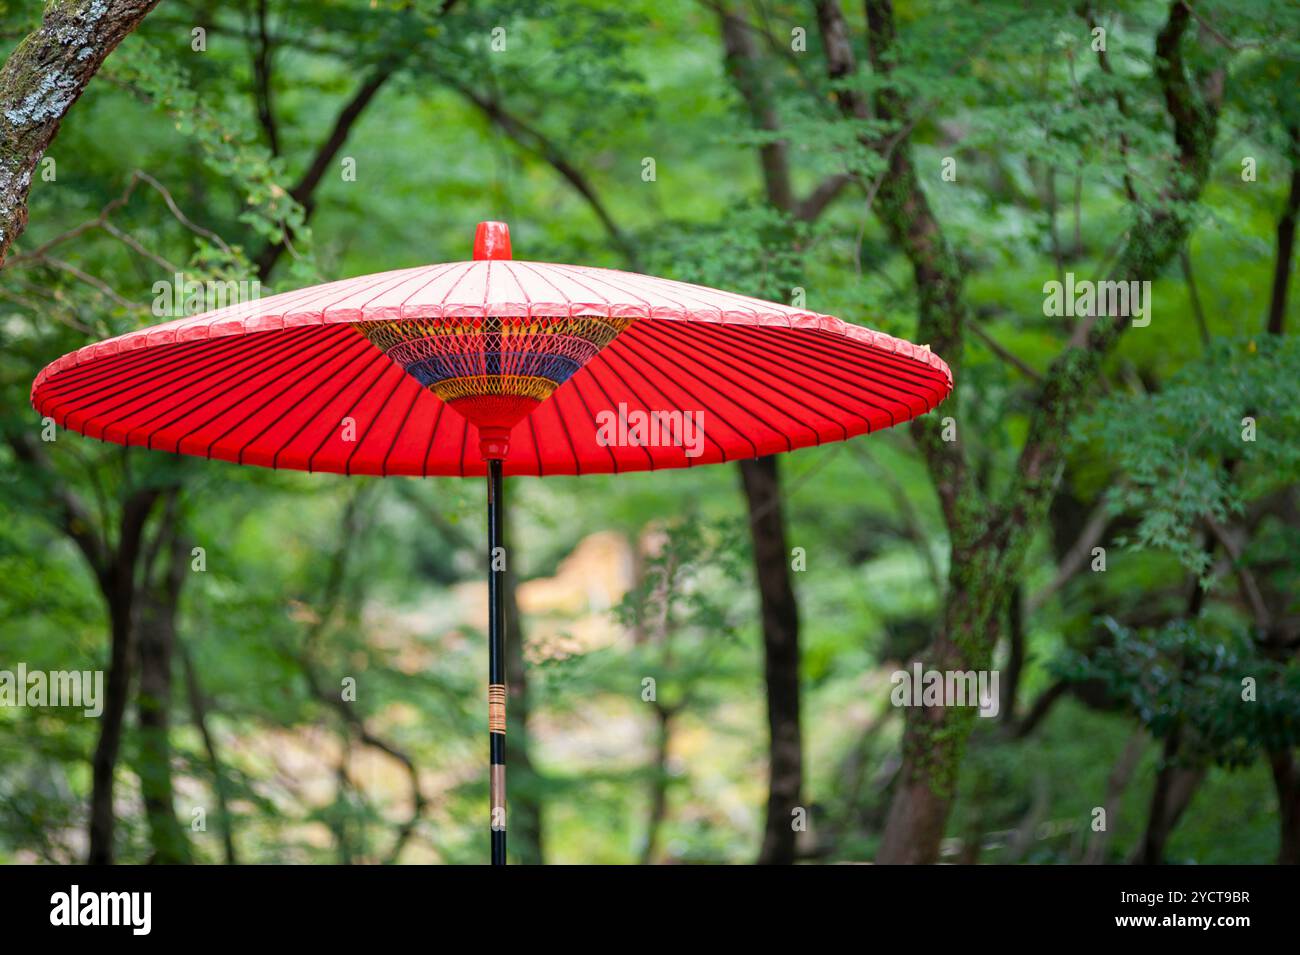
[{"x": 514, "y": 356}]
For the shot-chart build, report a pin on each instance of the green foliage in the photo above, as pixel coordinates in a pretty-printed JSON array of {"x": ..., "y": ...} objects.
[
  {"x": 1211, "y": 684},
  {"x": 684, "y": 632},
  {"x": 754, "y": 250},
  {"x": 268, "y": 209},
  {"x": 313, "y": 579},
  {"x": 1220, "y": 434}
]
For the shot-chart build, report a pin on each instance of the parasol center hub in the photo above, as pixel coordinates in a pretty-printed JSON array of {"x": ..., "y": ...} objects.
[{"x": 493, "y": 442}]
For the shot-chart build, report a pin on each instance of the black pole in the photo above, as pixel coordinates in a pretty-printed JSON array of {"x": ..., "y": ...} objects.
[{"x": 496, "y": 663}]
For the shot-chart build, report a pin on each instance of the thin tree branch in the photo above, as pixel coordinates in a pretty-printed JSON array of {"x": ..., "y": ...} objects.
[
  {"x": 262, "y": 81},
  {"x": 1094, "y": 528},
  {"x": 305, "y": 188},
  {"x": 73, "y": 517},
  {"x": 903, "y": 505},
  {"x": 539, "y": 144},
  {"x": 199, "y": 717},
  {"x": 1006, "y": 355},
  {"x": 102, "y": 221},
  {"x": 1103, "y": 60},
  {"x": 332, "y": 595},
  {"x": 1185, "y": 262},
  {"x": 97, "y": 284},
  {"x": 1245, "y": 578},
  {"x": 810, "y": 208}
]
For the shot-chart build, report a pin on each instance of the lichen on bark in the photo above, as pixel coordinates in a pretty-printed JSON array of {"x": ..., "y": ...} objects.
[{"x": 39, "y": 83}]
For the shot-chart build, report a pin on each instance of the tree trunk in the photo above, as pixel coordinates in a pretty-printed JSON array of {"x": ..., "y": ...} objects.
[
  {"x": 115, "y": 574},
  {"x": 761, "y": 480},
  {"x": 525, "y": 800},
  {"x": 751, "y": 76},
  {"x": 41, "y": 80},
  {"x": 1175, "y": 785},
  {"x": 658, "y": 785},
  {"x": 1015, "y": 654},
  {"x": 934, "y": 738},
  {"x": 119, "y": 587},
  {"x": 155, "y": 646},
  {"x": 1174, "y": 789},
  {"x": 104, "y": 762},
  {"x": 199, "y": 717},
  {"x": 918, "y": 813},
  {"x": 1116, "y": 784},
  {"x": 1285, "y": 242},
  {"x": 1287, "y": 781}
]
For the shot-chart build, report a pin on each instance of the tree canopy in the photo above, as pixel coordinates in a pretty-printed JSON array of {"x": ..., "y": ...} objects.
[{"x": 1087, "y": 209}]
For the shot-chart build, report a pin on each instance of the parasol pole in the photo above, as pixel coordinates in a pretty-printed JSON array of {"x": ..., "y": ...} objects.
[
  {"x": 496, "y": 662},
  {"x": 492, "y": 241}
]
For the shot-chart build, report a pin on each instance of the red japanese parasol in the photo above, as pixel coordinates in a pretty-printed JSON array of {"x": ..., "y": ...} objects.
[{"x": 492, "y": 366}]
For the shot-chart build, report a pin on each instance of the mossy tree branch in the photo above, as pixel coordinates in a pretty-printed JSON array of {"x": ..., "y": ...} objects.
[{"x": 41, "y": 80}]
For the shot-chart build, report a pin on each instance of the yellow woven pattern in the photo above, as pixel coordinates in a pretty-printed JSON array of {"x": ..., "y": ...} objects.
[{"x": 479, "y": 385}]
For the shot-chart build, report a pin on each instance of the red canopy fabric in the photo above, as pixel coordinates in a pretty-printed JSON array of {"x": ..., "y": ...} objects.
[{"x": 274, "y": 382}]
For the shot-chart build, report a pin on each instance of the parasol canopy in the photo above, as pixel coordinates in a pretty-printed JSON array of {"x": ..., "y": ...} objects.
[{"x": 567, "y": 369}]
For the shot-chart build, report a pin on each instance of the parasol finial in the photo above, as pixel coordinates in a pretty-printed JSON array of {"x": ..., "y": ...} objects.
[{"x": 492, "y": 241}]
